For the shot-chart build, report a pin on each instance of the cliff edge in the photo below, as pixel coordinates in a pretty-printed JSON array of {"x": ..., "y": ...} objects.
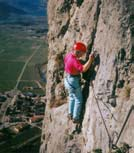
[{"x": 107, "y": 27}]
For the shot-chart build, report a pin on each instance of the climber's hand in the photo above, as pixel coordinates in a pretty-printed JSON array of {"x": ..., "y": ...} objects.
[{"x": 92, "y": 56}]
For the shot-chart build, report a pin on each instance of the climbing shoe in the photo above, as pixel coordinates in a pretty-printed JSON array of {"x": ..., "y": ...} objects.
[
  {"x": 76, "y": 121},
  {"x": 70, "y": 116}
]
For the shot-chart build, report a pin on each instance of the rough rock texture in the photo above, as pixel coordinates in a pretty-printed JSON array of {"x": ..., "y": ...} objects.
[{"x": 108, "y": 27}]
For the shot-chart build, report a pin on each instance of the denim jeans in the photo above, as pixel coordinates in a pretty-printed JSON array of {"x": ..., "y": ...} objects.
[{"x": 72, "y": 84}]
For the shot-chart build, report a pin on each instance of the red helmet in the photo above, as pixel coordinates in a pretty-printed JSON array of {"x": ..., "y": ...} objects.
[{"x": 79, "y": 46}]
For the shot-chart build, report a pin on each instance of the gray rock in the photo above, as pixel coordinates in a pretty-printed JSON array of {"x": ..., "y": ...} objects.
[{"x": 105, "y": 26}]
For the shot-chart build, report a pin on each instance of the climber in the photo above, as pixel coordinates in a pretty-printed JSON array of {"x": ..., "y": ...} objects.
[{"x": 73, "y": 68}]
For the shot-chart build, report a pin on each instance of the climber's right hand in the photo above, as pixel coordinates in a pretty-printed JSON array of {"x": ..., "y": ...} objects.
[{"x": 91, "y": 57}]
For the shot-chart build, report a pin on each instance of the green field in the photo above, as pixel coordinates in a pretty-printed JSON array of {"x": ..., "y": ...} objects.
[
  {"x": 17, "y": 43},
  {"x": 24, "y": 139}
]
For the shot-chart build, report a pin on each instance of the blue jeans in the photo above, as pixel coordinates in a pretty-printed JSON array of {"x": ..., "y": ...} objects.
[{"x": 72, "y": 84}]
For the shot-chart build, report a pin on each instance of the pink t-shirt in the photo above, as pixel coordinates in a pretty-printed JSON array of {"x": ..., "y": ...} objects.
[{"x": 72, "y": 64}]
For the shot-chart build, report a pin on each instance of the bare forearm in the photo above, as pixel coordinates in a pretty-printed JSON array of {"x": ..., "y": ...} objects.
[{"x": 87, "y": 65}]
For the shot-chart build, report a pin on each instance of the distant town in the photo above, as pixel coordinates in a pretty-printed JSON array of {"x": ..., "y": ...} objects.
[
  {"x": 23, "y": 58},
  {"x": 20, "y": 113}
]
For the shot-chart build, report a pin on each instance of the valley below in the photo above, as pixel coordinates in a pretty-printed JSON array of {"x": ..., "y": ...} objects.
[{"x": 23, "y": 60}]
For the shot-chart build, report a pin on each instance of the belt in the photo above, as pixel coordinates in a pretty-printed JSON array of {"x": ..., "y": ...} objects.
[{"x": 73, "y": 75}]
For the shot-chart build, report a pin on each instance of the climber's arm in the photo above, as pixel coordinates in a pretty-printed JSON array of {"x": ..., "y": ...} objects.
[{"x": 87, "y": 65}]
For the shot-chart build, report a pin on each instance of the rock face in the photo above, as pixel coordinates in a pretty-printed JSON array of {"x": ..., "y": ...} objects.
[{"x": 108, "y": 27}]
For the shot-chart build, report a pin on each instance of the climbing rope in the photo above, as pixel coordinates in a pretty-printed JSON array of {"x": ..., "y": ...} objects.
[
  {"x": 96, "y": 100},
  {"x": 112, "y": 115},
  {"x": 131, "y": 109},
  {"x": 111, "y": 145}
]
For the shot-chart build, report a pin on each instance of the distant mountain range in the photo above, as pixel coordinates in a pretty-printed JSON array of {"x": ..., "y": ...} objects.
[
  {"x": 6, "y": 10},
  {"x": 13, "y": 9},
  {"x": 32, "y": 7}
]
